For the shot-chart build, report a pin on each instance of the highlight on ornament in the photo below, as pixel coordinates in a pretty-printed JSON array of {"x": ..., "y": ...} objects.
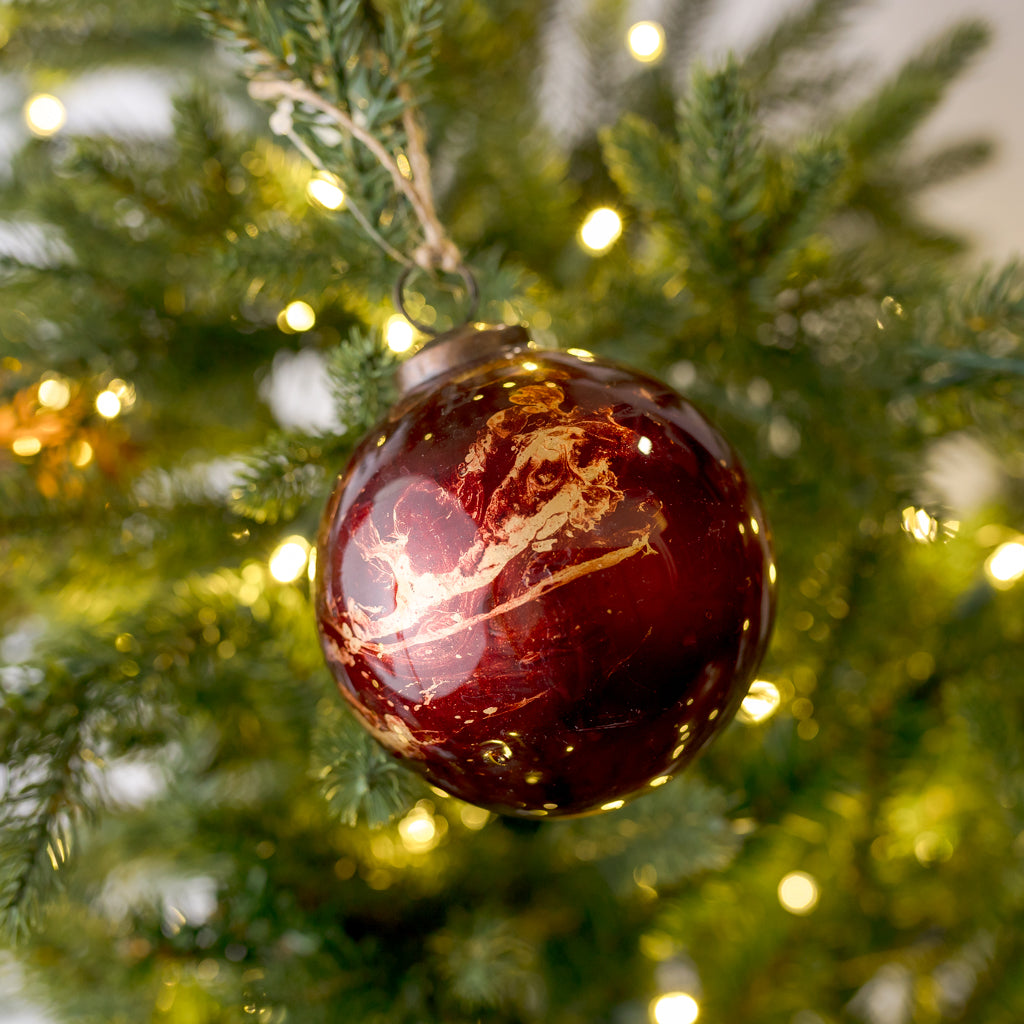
[
  {"x": 288, "y": 560},
  {"x": 601, "y": 230},
  {"x": 45, "y": 115},
  {"x": 324, "y": 190},
  {"x": 675, "y": 1008},
  {"x": 296, "y": 318},
  {"x": 646, "y": 41},
  {"x": 798, "y": 893},
  {"x": 1005, "y": 566}
]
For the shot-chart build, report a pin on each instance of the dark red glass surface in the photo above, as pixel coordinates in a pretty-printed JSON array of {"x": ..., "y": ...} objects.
[{"x": 544, "y": 582}]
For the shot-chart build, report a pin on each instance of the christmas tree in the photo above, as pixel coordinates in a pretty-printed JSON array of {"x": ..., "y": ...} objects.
[{"x": 197, "y": 328}]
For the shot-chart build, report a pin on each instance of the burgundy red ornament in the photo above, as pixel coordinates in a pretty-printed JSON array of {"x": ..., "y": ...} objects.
[{"x": 543, "y": 580}]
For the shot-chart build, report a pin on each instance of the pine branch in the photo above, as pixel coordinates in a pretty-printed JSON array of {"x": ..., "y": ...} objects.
[
  {"x": 360, "y": 781},
  {"x": 882, "y": 123},
  {"x": 345, "y": 71},
  {"x": 643, "y": 165},
  {"x": 810, "y": 28},
  {"x": 723, "y": 177},
  {"x": 679, "y": 830},
  {"x": 361, "y": 374},
  {"x": 284, "y": 476},
  {"x": 488, "y": 964}
]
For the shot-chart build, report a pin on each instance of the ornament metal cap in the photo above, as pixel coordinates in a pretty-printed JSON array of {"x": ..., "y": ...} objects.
[{"x": 463, "y": 345}]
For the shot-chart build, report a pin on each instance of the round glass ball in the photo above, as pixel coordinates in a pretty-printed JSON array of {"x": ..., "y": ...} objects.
[{"x": 544, "y": 581}]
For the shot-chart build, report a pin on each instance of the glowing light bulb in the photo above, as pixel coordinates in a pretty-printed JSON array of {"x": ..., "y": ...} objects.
[
  {"x": 288, "y": 560},
  {"x": 44, "y": 114},
  {"x": 418, "y": 830},
  {"x": 399, "y": 334},
  {"x": 298, "y": 316},
  {"x": 81, "y": 453},
  {"x": 601, "y": 229},
  {"x": 54, "y": 394},
  {"x": 26, "y": 446},
  {"x": 1006, "y": 564},
  {"x": 798, "y": 893},
  {"x": 761, "y": 702},
  {"x": 675, "y": 1008},
  {"x": 325, "y": 191},
  {"x": 108, "y": 405},
  {"x": 646, "y": 41}
]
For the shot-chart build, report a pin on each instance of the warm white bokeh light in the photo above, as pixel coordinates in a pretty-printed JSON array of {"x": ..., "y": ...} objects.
[
  {"x": 399, "y": 334},
  {"x": 601, "y": 229},
  {"x": 646, "y": 41},
  {"x": 108, "y": 405},
  {"x": 418, "y": 830},
  {"x": 44, "y": 114},
  {"x": 325, "y": 191},
  {"x": 1006, "y": 564},
  {"x": 26, "y": 446},
  {"x": 288, "y": 561},
  {"x": 798, "y": 893},
  {"x": 298, "y": 316},
  {"x": 675, "y": 1008},
  {"x": 761, "y": 702},
  {"x": 54, "y": 394}
]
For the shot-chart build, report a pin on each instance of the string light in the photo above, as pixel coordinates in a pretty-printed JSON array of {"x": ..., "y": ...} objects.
[
  {"x": 81, "y": 453},
  {"x": 601, "y": 229},
  {"x": 325, "y": 190},
  {"x": 54, "y": 394},
  {"x": 761, "y": 702},
  {"x": 108, "y": 405},
  {"x": 646, "y": 41},
  {"x": 297, "y": 316},
  {"x": 399, "y": 334},
  {"x": 44, "y": 114},
  {"x": 288, "y": 561},
  {"x": 26, "y": 446},
  {"x": 798, "y": 893},
  {"x": 675, "y": 1008},
  {"x": 418, "y": 830},
  {"x": 1005, "y": 566}
]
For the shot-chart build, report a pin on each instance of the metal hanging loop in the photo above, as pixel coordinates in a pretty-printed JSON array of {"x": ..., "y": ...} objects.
[{"x": 472, "y": 291}]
